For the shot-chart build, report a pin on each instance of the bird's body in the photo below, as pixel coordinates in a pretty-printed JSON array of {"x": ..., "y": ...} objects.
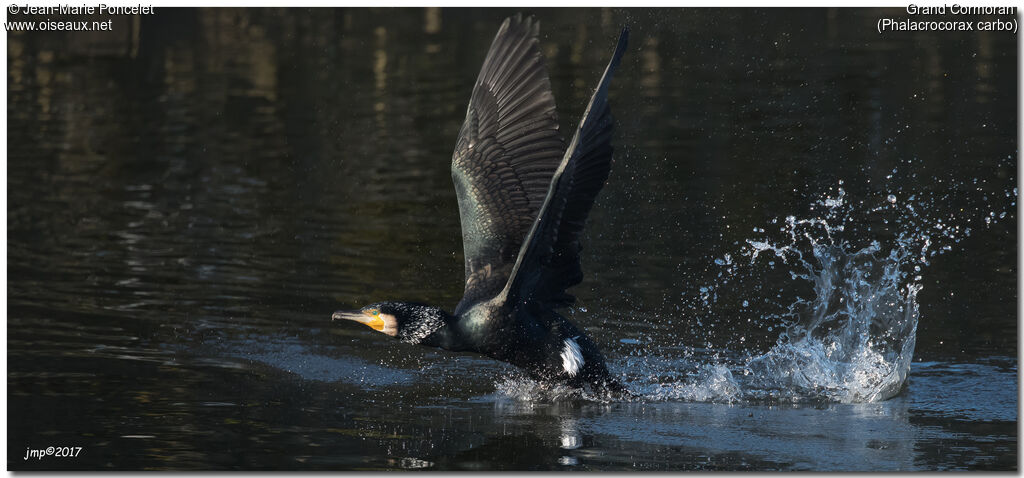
[{"x": 523, "y": 200}]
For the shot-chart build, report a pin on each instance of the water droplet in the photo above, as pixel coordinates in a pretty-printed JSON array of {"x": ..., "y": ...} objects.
[{"x": 892, "y": 199}]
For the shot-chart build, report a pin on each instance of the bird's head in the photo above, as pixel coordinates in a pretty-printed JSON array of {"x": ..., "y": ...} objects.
[{"x": 405, "y": 321}]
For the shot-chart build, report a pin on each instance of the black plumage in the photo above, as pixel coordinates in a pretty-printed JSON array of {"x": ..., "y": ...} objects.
[
  {"x": 507, "y": 151},
  {"x": 523, "y": 199}
]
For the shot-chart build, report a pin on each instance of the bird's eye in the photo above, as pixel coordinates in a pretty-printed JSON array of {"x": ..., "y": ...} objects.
[{"x": 375, "y": 312}]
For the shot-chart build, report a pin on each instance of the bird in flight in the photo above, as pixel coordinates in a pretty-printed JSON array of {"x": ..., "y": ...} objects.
[{"x": 524, "y": 197}]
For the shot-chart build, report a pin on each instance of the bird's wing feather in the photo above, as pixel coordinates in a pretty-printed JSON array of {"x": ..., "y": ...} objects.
[
  {"x": 507, "y": 151},
  {"x": 549, "y": 261}
]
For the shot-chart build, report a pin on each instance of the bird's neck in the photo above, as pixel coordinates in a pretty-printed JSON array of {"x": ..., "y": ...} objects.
[{"x": 430, "y": 326}]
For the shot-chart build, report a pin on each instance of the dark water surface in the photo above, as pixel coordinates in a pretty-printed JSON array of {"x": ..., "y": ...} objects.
[{"x": 190, "y": 197}]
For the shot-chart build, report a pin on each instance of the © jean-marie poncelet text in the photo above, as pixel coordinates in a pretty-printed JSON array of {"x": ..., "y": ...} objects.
[{"x": 68, "y": 9}]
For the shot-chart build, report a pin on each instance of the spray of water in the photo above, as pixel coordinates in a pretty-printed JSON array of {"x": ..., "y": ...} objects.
[
  {"x": 853, "y": 338},
  {"x": 853, "y": 341}
]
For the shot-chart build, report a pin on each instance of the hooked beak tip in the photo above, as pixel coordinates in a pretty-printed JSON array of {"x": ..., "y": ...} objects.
[{"x": 354, "y": 315}]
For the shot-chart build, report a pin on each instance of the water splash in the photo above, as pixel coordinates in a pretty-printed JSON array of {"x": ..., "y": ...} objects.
[
  {"x": 854, "y": 340},
  {"x": 524, "y": 389}
]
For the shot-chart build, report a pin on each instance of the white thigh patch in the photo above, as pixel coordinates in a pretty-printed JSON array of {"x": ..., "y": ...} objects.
[{"x": 572, "y": 358}]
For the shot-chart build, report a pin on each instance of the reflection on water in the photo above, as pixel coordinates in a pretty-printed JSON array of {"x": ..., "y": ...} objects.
[{"x": 187, "y": 206}]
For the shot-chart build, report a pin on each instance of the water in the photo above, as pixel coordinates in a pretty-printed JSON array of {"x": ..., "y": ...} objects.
[{"x": 804, "y": 218}]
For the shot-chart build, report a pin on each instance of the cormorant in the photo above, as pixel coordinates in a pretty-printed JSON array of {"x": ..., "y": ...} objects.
[{"x": 523, "y": 199}]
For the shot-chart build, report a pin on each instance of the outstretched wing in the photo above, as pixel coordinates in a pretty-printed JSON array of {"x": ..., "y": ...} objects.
[
  {"x": 549, "y": 261},
  {"x": 507, "y": 151}
]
